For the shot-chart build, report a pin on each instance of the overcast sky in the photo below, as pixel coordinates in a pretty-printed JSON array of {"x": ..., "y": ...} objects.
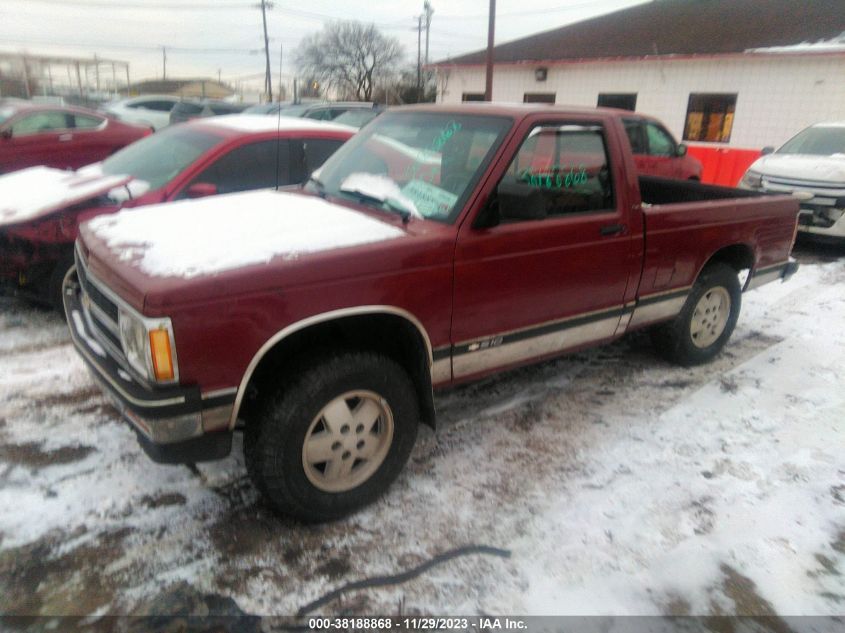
[{"x": 204, "y": 36}]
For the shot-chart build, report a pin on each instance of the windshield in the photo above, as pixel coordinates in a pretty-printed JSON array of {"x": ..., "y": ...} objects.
[
  {"x": 423, "y": 162},
  {"x": 357, "y": 117},
  {"x": 295, "y": 110},
  {"x": 263, "y": 108},
  {"x": 818, "y": 141},
  {"x": 159, "y": 158}
]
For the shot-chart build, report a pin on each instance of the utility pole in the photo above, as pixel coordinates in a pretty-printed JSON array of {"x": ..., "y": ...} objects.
[
  {"x": 281, "y": 59},
  {"x": 163, "y": 63},
  {"x": 268, "y": 81},
  {"x": 428, "y": 12},
  {"x": 491, "y": 26},
  {"x": 419, "y": 58}
]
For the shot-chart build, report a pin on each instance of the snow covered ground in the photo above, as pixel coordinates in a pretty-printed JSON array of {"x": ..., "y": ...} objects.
[{"x": 621, "y": 485}]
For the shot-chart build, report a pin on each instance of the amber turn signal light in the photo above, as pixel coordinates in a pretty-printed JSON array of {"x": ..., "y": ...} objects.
[{"x": 162, "y": 357}]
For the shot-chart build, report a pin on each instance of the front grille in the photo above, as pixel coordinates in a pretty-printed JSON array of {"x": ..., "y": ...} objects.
[
  {"x": 97, "y": 297},
  {"x": 803, "y": 184},
  {"x": 100, "y": 312}
]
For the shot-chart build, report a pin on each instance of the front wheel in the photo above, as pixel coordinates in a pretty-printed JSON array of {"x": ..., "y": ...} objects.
[
  {"x": 706, "y": 321},
  {"x": 335, "y": 437}
]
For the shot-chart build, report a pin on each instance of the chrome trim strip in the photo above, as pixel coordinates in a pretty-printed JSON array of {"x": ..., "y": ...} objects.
[
  {"x": 534, "y": 347},
  {"x": 624, "y": 320},
  {"x": 766, "y": 275},
  {"x": 657, "y": 310},
  {"x": 536, "y": 326},
  {"x": 219, "y": 392},
  {"x": 663, "y": 293},
  {"x": 764, "y": 278},
  {"x": 322, "y": 318},
  {"x": 441, "y": 370}
]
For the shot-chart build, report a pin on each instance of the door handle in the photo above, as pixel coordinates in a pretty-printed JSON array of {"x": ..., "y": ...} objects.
[
  {"x": 612, "y": 229},
  {"x": 65, "y": 137}
]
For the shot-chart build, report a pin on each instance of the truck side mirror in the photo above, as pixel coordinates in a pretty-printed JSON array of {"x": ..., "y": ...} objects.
[
  {"x": 6, "y": 134},
  {"x": 681, "y": 150},
  {"x": 767, "y": 150},
  {"x": 519, "y": 201}
]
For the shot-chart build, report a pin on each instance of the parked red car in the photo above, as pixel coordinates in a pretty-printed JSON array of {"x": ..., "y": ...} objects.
[
  {"x": 439, "y": 245},
  {"x": 41, "y": 207},
  {"x": 656, "y": 152},
  {"x": 59, "y": 136}
]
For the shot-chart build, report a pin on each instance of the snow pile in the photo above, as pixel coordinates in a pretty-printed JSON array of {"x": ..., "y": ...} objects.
[
  {"x": 29, "y": 193},
  {"x": 211, "y": 235}
]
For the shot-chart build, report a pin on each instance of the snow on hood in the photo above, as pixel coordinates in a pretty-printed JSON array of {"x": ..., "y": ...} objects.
[
  {"x": 802, "y": 167},
  {"x": 380, "y": 187},
  {"x": 211, "y": 235},
  {"x": 31, "y": 193}
]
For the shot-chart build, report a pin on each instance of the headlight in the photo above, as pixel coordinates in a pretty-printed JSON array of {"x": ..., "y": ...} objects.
[
  {"x": 751, "y": 180},
  {"x": 147, "y": 345}
]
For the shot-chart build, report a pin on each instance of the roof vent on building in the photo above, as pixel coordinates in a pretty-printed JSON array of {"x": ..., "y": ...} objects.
[{"x": 541, "y": 73}]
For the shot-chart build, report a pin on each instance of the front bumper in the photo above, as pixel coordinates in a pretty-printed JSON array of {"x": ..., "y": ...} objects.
[{"x": 171, "y": 422}]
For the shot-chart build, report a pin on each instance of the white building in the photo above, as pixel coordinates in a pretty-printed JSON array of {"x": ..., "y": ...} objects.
[{"x": 719, "y": 73}]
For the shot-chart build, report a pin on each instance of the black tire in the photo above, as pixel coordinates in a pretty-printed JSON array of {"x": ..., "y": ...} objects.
[
  {"x": 54, "y": 284},
  {"x": 674, "y": 340},
  {"x": 274, "y": 441}
]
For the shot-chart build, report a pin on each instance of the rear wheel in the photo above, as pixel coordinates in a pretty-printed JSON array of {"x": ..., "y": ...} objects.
[
  {"x": 706, "y": 322},
  {"x": 335, "y": 437}
]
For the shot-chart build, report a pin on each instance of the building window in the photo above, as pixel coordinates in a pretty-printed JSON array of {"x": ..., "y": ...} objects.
[
  {"x": 472, "y": 96},
  {"x": 538, "y": 97},
  {"x": 710, "y": 117},
  {"x": 623, "y": 101}
]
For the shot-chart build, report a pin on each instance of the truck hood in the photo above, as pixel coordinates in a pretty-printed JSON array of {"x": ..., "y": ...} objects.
[
  {"x": 37, "y": 192},
  {"x": 802, "y": 167},
  {"x": 163, "y": 254}
]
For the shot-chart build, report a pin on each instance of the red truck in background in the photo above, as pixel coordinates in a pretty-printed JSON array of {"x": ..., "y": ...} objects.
[{"x": 319, "y": 321}]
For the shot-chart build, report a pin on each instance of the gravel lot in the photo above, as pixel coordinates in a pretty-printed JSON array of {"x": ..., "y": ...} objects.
[{"x": 620, "y": 485}]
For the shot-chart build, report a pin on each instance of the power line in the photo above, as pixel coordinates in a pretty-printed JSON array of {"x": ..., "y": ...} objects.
[{"x": 133, "y": 47}]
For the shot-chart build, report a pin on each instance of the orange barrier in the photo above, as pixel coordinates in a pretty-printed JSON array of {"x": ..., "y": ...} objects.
[{"x": 723, "y": 165}]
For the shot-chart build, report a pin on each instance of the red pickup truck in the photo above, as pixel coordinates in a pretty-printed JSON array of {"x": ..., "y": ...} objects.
[{"x": 439, "y": 245}]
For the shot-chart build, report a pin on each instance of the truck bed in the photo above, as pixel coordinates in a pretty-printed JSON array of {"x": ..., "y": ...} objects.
[{"x": 687, "y": 223}]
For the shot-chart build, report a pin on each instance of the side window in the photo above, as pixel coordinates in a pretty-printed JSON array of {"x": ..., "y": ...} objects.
[
  {"x": 84, "y": 122},
  {"x": 158, "y": 106},
  {"x": 634, "y": 129},
  {"x": 659, "y": 141},
  {"x": 317, "y": 150},
  {"x": 251, "y": 166},
  {"x": 321, "y": 114},
  {"x": 42, "y": 122},
  {"x": 568, "y": 164}
]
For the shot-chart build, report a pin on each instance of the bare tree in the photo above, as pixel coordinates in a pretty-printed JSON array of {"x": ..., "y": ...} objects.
[{"x": 349, "y": 57}]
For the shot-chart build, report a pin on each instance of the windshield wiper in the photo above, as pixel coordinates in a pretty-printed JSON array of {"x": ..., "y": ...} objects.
[
  {"x": 319, "y": 186},
  {"x": 390, "y": 204}
]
